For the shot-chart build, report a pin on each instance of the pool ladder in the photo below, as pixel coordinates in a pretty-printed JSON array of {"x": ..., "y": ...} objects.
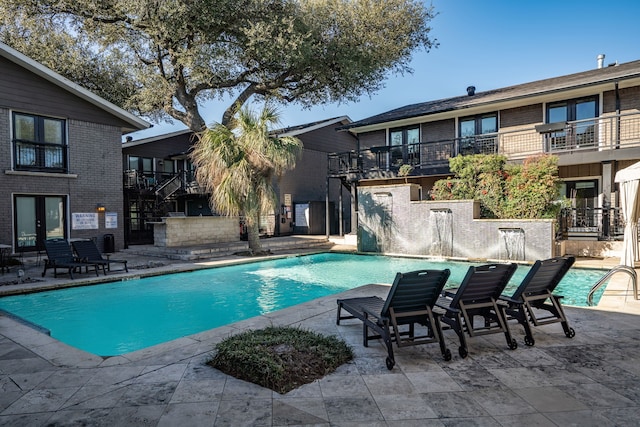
[{"x": 614, "y": 270}]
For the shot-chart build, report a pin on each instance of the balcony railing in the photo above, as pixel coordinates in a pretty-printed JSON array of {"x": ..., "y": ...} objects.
[
  {"x": 161, "y": 183},
  {"x": 599, "y": 134},
  {"x": 39, "y": 157}
]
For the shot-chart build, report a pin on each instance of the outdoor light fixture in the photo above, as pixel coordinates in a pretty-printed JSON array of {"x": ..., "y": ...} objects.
[{"x": 100, "y": 208}]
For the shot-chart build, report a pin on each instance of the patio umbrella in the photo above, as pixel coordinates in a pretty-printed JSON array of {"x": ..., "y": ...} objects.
[{"x": 629, "y": 180}]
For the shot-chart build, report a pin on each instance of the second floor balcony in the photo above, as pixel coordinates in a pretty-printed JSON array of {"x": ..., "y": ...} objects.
[
  {"x": 161, "y": 183},
  {"x": 432, "y": 158}
]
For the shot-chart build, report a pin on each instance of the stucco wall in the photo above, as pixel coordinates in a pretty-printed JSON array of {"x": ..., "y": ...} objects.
[
  {"x": 195, "y": 230},
  {"x": 392, "y": 219}
]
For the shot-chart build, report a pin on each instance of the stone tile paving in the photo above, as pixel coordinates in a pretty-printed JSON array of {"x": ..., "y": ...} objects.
[{"x": 592, "y": 379}]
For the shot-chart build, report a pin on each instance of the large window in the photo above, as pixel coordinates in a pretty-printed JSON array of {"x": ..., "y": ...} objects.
[
  {"x": 404, "y": 146},
  {"x": 39, "y": 143},
  {"x": 478, "y": 134},
  {"x": 580, "y": 129}
]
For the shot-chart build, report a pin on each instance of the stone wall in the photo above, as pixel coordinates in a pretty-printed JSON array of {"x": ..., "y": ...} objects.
[
  {"x": 393, "y": 219},
  {"x": 195, "y": 230}
]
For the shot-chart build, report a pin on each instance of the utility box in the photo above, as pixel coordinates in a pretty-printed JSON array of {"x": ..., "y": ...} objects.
[{"x": 310, "y": 218}]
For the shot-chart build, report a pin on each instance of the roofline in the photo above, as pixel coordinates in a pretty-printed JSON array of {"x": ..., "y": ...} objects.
[
  {"x": 46, "y": 73},
  {"x": 150, "y": 139},
  {"x": 371, "y": 125},
  {"x": 314, "y": 127}
]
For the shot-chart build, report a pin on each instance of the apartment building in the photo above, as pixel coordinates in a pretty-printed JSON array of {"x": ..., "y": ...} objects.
[
  {"x": 159, "y": 181},
  {"x": 60, "y": 157},
  {"x": 590, "y": 120}
]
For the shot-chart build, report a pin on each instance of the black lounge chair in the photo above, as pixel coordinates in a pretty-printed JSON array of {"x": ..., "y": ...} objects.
[
  {"x": 535, "y": 295},
  {"x": 477, "y": 296},
  {"x": 410, "y": 301},
  {"x": 87, "y": 251},
  {"x": 60, "y": 255}
]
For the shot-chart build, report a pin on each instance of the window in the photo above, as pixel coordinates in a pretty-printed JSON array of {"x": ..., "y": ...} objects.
[
  {"x": 144, "y": 168},
  {"x": 477, "y": 134},
  {"x": 580, "y": 131},
  {"x": 39, "y": 143},
  {"x": 404, "y": 146}
]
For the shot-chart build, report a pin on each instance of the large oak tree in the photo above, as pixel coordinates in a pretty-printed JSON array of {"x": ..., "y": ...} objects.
[{"x": 165, "y": 58}]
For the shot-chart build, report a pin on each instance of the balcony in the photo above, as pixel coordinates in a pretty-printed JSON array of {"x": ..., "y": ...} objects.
[
  {"x": 431, "y": 158},
  {"x": 161, "y": 184}
]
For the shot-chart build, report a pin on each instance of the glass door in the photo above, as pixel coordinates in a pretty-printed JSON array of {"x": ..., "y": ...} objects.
[{"x": 38, "y": 218}]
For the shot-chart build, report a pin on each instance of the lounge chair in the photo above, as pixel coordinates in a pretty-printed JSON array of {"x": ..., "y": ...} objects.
[
  {"x": 60, "y": 255},
  {"x": 477, "y": 297},
  {"x": 410, "y": 301},
  {"x": 87, "y": 251},
  {"x": 535, "y": 293}
]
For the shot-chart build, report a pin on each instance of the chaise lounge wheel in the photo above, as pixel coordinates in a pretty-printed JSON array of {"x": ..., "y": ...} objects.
[
  {"x": 447, "y": 355},
  {"x": 390, "y": 363},
  {"x": 513, "y": 345},
  {"x": 570, "y": 333},
  {"x": 462, "y": 352},
  {"x": 529, "y": 341}
]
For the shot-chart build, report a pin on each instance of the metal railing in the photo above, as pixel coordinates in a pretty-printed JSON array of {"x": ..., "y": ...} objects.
[
  {"x": 601, "y": 223},
  {"x": 37, "y": 156},
  {"x": 597, "y": 134},
  {"x": 617, "y": 269},
  {"x": 161, "y": 183}
]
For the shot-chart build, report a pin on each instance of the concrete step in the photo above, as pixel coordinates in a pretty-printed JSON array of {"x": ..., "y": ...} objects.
[{"x": 193, "y": 253}]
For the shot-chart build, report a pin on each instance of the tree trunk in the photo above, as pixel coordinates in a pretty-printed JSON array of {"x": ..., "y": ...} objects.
[{"x": 253, "y": 237}]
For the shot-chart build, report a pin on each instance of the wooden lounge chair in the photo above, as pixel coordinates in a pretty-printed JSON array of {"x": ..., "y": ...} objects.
[
  {"x": 410, "y": 301},
  {"x": 87, "y": 251},
  {"x": 60, "y": 255},
  {"x": 477, "y": 297},
  {"x": 535, "y": 296}
]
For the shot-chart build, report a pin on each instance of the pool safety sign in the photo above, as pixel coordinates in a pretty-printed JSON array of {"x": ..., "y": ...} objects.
[
  {"x": 111, "y": 220},
  {"x": 84, "y": 221}
]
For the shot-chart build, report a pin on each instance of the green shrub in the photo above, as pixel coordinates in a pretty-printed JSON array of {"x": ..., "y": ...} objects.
[
  {"x": 504, "y": 190},
  {"x": 280, "y": 358}
]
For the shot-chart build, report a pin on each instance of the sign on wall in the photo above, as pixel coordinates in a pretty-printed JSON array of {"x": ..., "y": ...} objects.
[
  {"x": 84, "y": 221},
  {"x": 111, "y": 220},
  {"x": 302, "y": 215}
]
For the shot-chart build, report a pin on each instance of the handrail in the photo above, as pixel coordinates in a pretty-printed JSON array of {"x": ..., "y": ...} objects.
[{"x": 614, "y": 270}]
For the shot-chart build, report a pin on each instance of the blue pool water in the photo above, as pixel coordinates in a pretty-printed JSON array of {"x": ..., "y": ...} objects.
[{"x": 120, "y": 317}]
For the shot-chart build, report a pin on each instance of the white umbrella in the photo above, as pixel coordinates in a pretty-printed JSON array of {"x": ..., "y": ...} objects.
[{"x": 629, "y": 179}]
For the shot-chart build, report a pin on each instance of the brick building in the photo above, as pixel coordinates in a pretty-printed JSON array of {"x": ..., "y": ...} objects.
[{"x": 60, "y": 156}]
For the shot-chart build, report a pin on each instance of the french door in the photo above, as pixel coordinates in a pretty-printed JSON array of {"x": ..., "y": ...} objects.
[{"x": 38, "y": 218}]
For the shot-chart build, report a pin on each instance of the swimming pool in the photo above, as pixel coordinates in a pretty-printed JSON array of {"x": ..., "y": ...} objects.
[{"x": 119, "y": 317}]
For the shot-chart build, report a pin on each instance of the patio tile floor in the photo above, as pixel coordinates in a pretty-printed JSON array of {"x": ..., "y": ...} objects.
[{"x": 591, "y": 379}]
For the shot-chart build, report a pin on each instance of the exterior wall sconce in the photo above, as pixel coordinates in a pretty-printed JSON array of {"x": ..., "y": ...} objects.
[{"x": 100, "y": 208}]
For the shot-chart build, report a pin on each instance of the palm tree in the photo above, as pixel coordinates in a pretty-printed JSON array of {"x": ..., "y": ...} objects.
[{"x": 237, "y": 164}]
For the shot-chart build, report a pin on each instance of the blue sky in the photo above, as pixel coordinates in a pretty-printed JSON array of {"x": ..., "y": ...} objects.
[{"x": 488, "y": 44}]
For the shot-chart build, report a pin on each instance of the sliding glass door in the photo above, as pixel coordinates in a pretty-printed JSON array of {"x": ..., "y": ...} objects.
[{"x": 38, "y": 218}]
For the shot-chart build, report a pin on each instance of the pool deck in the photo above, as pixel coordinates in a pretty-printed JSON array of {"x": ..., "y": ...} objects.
[{"x": 592, "y": 379}]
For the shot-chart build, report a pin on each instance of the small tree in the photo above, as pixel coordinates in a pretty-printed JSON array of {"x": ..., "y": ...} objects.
[
  {"x": 504, "y": 190},
  {"x": 237, "y": 165}
]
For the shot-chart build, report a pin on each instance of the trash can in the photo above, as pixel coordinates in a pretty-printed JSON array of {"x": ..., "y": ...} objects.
[{"x": 109, "y": 244}]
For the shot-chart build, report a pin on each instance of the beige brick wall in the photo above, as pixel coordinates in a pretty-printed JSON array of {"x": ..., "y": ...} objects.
[{"x": 195, "y": 230}]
